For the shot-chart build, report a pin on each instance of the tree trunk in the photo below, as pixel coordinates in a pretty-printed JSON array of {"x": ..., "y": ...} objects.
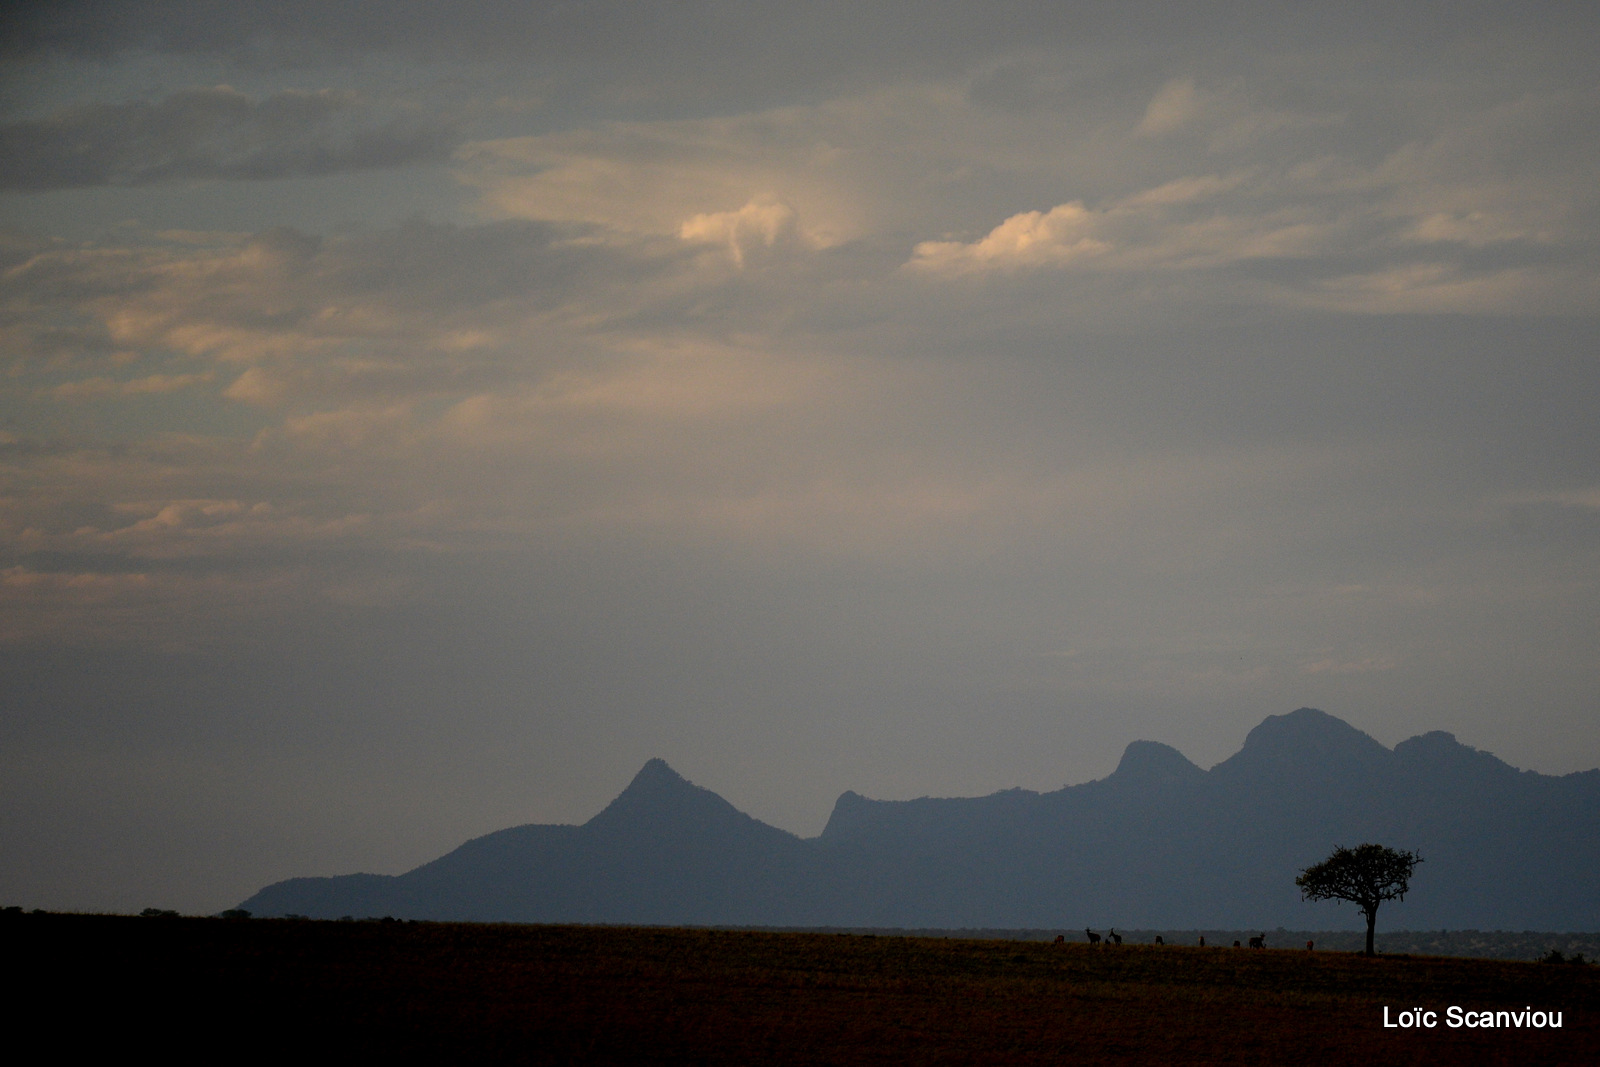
[{"x": 1372, "y": 922}]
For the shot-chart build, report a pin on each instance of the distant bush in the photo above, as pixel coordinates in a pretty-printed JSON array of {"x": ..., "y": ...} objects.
[{"x": 236, "y": 913}]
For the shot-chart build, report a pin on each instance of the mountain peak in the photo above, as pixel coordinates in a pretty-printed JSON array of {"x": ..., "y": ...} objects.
[
  {"x": 655, "y": 774},
  {"x": 1150, "y": 762},
  {"x": 851, "y": 813},
  {"x": 1440, "y": 752},
  {"x": 655, "y": 790},
  {"x": 660, "y": 802},
  {"x": 1306, "y": 738}
]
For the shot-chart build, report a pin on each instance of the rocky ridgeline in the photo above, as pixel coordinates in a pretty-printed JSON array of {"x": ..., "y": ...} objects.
[{"x": 1160, "y": 844}]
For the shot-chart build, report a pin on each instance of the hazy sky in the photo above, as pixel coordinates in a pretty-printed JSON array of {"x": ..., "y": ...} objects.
[{"x": 416, "y": 416}]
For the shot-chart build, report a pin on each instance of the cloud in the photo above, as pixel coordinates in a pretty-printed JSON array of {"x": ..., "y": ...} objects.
[
  {"x": 758, "y": 225},
  {"x": 212, "y": 134},
  {"x": 591, "y": 366},
  {"x": 586, "y": 365},
  {"x": 675, "y": 178},
  {"x": 1300, "y": 192},
  {"x": 1058, "y": 237},
  {"x": 1176, "y": 104},
  {"x": 1446, "y": 288},
  {"x": 257, "y": 386},
  {"x": 1502, "y": 247},
  {"x": 148, "y": 385},
  {"x": 1190, "y": 189},
  {"x": 286, "y": 317},
  {"x": 1177, "y": 226}
]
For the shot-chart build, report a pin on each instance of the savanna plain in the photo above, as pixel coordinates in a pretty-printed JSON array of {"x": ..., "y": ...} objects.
[{"x": 459, "y": 992}]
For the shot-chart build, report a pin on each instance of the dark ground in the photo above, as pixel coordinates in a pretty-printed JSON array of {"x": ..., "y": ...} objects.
[
  {"x": 261, "y": 990},
  {"x": 1479, "y": 944}
]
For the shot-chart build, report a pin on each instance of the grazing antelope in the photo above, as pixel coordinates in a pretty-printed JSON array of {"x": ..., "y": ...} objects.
[
  {"x": 1094, "y": 938},
  {"x": 1159, "y": 941},
  {"x": 1259, "y": 942},
  {"x": 1061, "y": 939},
  {"x": 1310, "y": 945},
  {"x": 1236, "y": 944},
  {"x": 1116, "y": 938}
]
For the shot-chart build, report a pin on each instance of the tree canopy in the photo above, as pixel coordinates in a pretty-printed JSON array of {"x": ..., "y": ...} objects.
[{"x": 1366, "y": 875}]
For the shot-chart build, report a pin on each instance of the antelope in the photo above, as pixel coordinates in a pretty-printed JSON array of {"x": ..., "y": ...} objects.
[
  {"x": 1115, "y": 937},
  {"x": 1094, "y": 938},
  {"x": 1061, "y": 939},
  {"x": 1259, "y": 942},
  {"x": 1159, "y": 941}
]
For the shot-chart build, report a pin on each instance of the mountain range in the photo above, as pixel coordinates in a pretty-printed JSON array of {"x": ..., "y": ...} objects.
[{"x": 1160, "y": 843}]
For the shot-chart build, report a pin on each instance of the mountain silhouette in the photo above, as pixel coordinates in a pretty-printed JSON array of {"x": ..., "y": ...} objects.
[{"x": 1158, "y": 843}]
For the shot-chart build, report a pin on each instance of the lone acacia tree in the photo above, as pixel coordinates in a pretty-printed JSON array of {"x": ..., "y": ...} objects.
[{"x": 1366, "y": 876}]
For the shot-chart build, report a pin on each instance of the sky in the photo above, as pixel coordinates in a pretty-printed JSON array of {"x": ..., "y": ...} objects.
[{"x": 417, "y": 416}]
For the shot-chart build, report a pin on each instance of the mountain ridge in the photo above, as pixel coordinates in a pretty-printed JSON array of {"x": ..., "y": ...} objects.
[{"x": 1158, "y": 842}]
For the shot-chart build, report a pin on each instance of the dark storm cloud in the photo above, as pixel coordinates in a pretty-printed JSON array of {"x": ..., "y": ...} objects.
[{"x": 211, "y": 133}]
